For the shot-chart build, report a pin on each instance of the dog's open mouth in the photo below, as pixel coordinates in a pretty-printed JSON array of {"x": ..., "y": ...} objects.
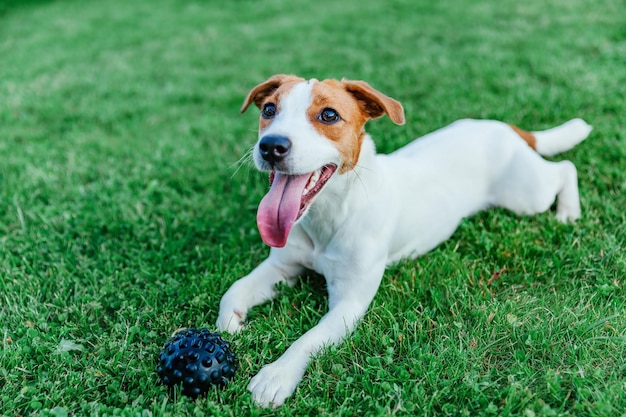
[{"x": 288, "y": 198}]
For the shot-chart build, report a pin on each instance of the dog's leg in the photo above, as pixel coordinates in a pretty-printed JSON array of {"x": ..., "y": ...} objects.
[
  {"x": 568, "y": 200},
  {"x": 254, "y": 289},
  {"x": 349, "y": 298},
  {"x": 282, "y": 266},
  {"x": 530, "y": 185}
]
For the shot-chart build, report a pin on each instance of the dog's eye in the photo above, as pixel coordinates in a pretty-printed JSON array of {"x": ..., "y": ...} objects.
[
  {"x": 328, "y": 116},
  {"x": 269, "y": 111}
]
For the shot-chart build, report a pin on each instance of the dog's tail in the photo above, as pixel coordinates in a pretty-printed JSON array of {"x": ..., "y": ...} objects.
[{"x": 558, "y": 139}]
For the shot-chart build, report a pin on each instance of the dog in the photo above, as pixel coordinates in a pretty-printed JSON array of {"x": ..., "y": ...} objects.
[{"x": 338, "y": 208}]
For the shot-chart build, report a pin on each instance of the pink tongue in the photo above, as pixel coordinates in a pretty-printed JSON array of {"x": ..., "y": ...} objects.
[{"x": 280, "y": 207}]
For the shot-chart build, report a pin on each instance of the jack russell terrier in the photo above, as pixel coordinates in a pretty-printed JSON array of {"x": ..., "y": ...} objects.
[{"x": 336, "y": 207}]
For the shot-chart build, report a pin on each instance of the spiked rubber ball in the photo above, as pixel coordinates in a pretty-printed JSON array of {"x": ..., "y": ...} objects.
[{"x": 198, "y": 360}]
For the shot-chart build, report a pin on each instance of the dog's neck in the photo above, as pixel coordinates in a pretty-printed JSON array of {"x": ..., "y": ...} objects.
[{"x": 343, "y": 194}]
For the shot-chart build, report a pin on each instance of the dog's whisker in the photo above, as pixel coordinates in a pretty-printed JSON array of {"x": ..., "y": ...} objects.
[
  {"x": 362, "y": 182},
  {"x": 245, "y": 160},
  {"x": 364, "y": 168}
]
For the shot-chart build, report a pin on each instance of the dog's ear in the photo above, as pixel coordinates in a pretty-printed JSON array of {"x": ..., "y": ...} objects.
[
  {"x": 373, "y": 102},
  {"x": 258, "y": 93}
]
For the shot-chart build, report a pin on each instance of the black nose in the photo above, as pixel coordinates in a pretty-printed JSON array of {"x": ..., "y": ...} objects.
[{"x": 274, "y": 148}]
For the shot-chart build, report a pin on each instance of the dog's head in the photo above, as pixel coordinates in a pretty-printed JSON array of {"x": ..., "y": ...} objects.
[{"x": 309, "y": 130}]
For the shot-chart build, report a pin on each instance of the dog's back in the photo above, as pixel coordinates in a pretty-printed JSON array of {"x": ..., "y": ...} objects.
[{"x": 469, "y": 166}]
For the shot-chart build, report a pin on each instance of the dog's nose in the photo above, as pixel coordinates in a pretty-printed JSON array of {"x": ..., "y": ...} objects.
[{"x": 274, "y": 148}]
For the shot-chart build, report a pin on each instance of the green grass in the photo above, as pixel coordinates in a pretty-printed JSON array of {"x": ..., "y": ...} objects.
[{"x": 123, "y": 215}]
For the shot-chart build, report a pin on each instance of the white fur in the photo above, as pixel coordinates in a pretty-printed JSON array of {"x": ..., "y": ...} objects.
[
  {"x": 388, "y": 208},
  {"x": 561, "y": 138}
]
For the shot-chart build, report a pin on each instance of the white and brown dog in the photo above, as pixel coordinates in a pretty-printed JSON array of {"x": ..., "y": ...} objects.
[{"x": 338, "y": 208}]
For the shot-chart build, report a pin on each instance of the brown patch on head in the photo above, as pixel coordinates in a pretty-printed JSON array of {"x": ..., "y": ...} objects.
[
  {"x": 355, "y": 102},
  {"x": 530, "y": 139},
  {"x": 347, "y": 133},
  {"x": 374, "y": 103},
  {"x": 269, "y": 91},
  {"x": 260, "y": 93}
]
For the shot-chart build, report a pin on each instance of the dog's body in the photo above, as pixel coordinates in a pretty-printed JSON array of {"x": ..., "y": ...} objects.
[{"x": 339, "y": 209}]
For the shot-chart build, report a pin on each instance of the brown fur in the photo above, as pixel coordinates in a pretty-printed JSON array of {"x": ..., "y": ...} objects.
[
  {"x": 259, "y": 93},
  {"x": 346, "y": 134},
  {"x": 530, "y": 139},
  {"x": 355, "y": 102},
  {"x": 270, "y": 91}
]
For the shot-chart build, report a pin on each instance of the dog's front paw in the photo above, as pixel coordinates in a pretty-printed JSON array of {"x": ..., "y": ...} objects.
[
  {"x": 275, "y": 383},
  {"x": 233, "y": 310},
  {"x": 231, "y": 320}
]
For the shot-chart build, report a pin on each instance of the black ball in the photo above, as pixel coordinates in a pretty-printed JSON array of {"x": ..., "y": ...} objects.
[{"x": 198, "y": 360}]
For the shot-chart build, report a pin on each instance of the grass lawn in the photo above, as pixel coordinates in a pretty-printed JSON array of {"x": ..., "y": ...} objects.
[{"x": 125, "y": 215}]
